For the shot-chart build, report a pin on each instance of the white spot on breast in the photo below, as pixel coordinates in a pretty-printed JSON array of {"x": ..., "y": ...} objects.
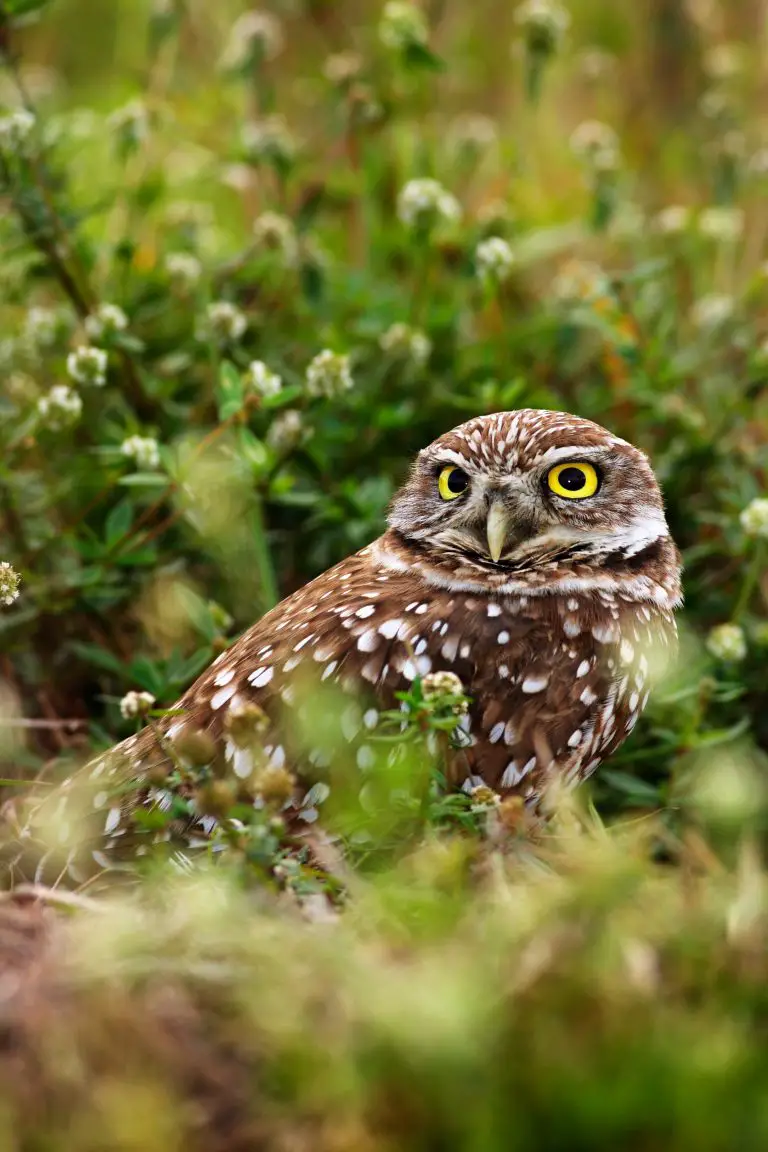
[
  {"x": 365, "y": 757},
  {"x": 329, "y": 669},
  {"x": 222, "y": 696},
  {"x": 261, "y": 677},
  {"x": 496, "y": 732},
  {"x": 370, "y": 718},
  {"x": 100, "y": 799},
  {"x": 571, "y": 627},
  {"x": 390, "y": 628},
  {"x": 224, "y": 677},
  {"x": 368, "y": 641},
  {"x": 277, "y": 759},
  {"x": 503, "y": 671},
  {"x": 364, "y": 613},
  {"x": 533, "y": 684},
  {"x": 510, "y": 734},
  {"x": 464, "y": 651},
  {"x": 588, "y": 696},
  {"x": 575, "y": 738},
  {"x": 422, "y": 608},
  {"x": 627, "y": 651},
  {"x": 112, "y": 821},
  {"x": 582, "y": 669},
  {"x": 604, "y": 633},
  {"x": 572, "y": 604},
  {"x": 503, "y": 637},
  {"x": 301, "y": 643},
  {"x": 450, "y": 648},
  {"x": 242, "y": 763},
  {"x": 494, "y": 610},
  {"x": 291, "y": 663}
]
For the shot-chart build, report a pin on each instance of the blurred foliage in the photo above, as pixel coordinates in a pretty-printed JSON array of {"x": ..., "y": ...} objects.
[{"x": 228, "y": 320}]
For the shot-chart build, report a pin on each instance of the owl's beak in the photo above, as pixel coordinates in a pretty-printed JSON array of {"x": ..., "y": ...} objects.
[{"x": 497, "y": 529}]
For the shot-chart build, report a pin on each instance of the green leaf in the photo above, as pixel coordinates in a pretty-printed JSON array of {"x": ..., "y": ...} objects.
[
  {"x": 118, "y": 522},
  {"x": 229, "y": 392},
  {"x": 100, "y": 657}
]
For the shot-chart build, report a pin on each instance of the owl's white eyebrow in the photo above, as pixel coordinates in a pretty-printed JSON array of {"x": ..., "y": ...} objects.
[
  {"x": 575, "y": 452},
  {"x": 448, "y": 456}
]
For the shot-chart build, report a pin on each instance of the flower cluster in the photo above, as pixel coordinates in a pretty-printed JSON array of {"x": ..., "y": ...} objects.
[
  {"x": 286, "y": 432},
  {"x": 278, "y": 234},
  {"x": 15, "y": 129},
  {"x": 544, "y": 23},
  {"x": 143, "y": 450},
  {"x": 262, "y": 380},
  {"x": 424, "y": 202},
  {"x": 402, "y": 342},
  {"x": 269, "y": 140},
  {"x": 136, "y": 705},
  {"x": 88, "y": 365},
  {"x": 494, "y": 260},
  {"x": 754, "y": 518},
  {"x": 726, "y": 642},
  {"x": 329, "y": 374},
  {"x": 254, "y": 36},
  {"x": 224, "y": 322},
  {"x": 402, "y": 26},
  {"x": 106, "y": 322},
  {"x": 184, "y": 269},
  {"x": 59, "y": 408},
  {"x": 712, "y": 311},
  {"x": 597, "y": 145},
  {"x": 9, "y": 583}
]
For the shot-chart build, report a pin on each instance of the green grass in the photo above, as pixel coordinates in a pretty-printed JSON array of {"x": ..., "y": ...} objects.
[{"x": 479, "y": 991}]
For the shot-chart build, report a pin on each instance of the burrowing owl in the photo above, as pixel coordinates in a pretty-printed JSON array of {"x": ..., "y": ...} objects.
[{"x": 527, "y": 553}]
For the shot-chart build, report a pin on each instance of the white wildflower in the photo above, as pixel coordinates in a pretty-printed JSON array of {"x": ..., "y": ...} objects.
[
  {"x": 106, "y": 322},
  {"x": 269, "y": 139},
  {"x": 136, "y": 704},
  {"x": 183, "y": 268},
  {"x": 472, "y": 132},
  {"x": 143, "y": 450},
  {"x": 579, "y": 280},
  {"x": 404, "y": 342},
  {"x": 286, "y": 432},
  {"x": 9, "y": 583},
  {"x": 402, "y": 26},
  {"x": 88, "y": 365},
  {"x": 225, "y": 322},
  {"x": 60, "y": 408},
  {"x": 342, "y": 68},
  {"x": 712, "y": 311},
  {"x": 544, "y": 23},
  {"x": 130, "y": 122},
  {"x": 722, "y": 224},
  {"x": 754, "y": 518},
  {"x": 253, "y": 36},
  {"x": 437, "y": 684},
  {"x": 262, "y": 380},
  {"x": 276, "y": 232},
  {"x": 329, "y": 374},
  {"x": 42, "y": 326},
  {"x": 726, "y": 642},
  {"x": 15, "y": 128},
  {"x": 673, "y": 219},
  {"x": 494, "y": 260},
  {"x": 425, "y": 202},
  {"x": 596, "y": 144}
]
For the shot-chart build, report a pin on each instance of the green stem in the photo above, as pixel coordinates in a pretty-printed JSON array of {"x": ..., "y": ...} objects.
[{"x": 751, "y": 580}]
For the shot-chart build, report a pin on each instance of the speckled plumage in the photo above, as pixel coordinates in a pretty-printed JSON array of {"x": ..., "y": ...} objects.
[{"x": 552, "y": 642}]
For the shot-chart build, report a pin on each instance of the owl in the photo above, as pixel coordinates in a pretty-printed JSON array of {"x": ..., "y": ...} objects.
[{"x": 527, "y": 554}]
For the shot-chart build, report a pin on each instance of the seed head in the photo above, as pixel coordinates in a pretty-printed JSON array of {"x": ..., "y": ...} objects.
[
  {"x": 253, "y": 35},
  {"x": 277, "y": 233},
  {"x": 226, "y": 324},
  {"x": 544, "y": 23},
  {"x": 403, "y": 342},
  {"x": 184, "y": 268},
  {"x": 105, "y": 322},
  {"x": 269, "y": 140},
  {"x": 15, "y": 129},
  {"x": 402, "y": 26},
  {"x": 286, "y": 432},
  {"x": 436, "y": 685}
]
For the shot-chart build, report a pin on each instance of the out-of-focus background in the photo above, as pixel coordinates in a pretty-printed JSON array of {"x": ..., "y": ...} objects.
[{"x": 250, "y": 263}]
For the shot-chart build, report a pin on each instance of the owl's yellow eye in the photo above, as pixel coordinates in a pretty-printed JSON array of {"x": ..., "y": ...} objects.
[
  {"x": 452, "y": 482},
  {"x": 573, "y": 480}
]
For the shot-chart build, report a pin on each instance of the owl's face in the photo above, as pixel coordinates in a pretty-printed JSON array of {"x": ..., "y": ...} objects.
[{"x": 511, "y": 489}]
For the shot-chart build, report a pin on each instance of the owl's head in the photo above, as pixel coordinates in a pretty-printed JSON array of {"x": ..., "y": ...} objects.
[{"x": 513, "y": 490}]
